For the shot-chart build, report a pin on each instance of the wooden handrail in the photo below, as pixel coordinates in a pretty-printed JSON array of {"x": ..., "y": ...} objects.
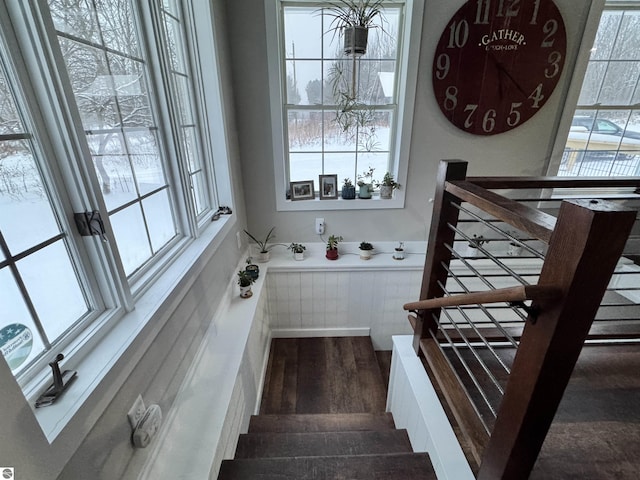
[{"x": 510, "y": 294}]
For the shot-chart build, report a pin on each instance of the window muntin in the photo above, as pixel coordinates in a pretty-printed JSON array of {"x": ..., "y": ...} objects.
[
  {"x": 604, "y": 139},
  {"x": 324, "y": 134},
  {"x": 41, "y": 294}
]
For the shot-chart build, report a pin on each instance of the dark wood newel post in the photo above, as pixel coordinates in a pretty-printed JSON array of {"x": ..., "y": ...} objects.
[
  {"x": 437, "y": 253},
  {"x": 583, "y": 251}
]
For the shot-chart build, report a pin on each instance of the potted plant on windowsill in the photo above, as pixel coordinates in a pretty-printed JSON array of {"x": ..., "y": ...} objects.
[
  {"x": 398, "y": 253},
  {"x": 245, "y": 281},
  {"x": 387, "y": 186},
  {"x": 264, "y": 249},
  {"x": 515, "y": 248},
  {"x": 365, "y": 182},
  {"x": 348, "y": 190},
  {"x": 366, "y": 250},
  {"x": 332, "y": 247},
  {"x": 474, "y": 244},
  {"x": 298, "y": 250},
  {"x": 252, "y": 269}
]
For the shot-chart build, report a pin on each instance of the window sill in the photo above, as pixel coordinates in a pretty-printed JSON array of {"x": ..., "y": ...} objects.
[
  {"x": 152, "y": 311},
  {"x": 374, "y": 203}
]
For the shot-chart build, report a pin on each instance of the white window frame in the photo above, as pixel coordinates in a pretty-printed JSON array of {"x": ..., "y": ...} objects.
[
  {"x": 409, "y": 49},
  {"x": 124, "y": 312}
]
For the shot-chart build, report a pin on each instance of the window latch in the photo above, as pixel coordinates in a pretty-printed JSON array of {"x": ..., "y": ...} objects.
[
  {"x": 61, "y": 382},
  {"x": 90, "y": 223}
]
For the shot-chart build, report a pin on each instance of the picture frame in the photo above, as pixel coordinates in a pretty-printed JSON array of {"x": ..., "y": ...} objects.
[
  {"x": 328, "y": 187},
  {"x": 302, "y": 190}
]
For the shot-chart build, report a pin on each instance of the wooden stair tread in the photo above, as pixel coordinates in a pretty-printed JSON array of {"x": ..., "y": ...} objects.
[
  {"x": 318, "y": 444},
  {"x": 400, "y": 466},
  {"x": 321, "y": 422}
]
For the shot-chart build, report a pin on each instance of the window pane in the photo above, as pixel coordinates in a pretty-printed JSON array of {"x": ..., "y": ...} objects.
[
  {"x": 303, "y": 33},
  {"x": 53, "y": 288},
  {"x": 620, "y": 82},
  {"x": 9, "y": 119},
  {"x": 113, "y": 168},
  {"x": 117, "y": 26},
  {"x": 75, "y": 18},
  {"x": 146, "y": 161},
  {"x": 305, "y": 166},
  {"x": 26, "y": 217},
  {"x": 343, "y": 164},
  {"x": 157, "y": 211},
  {"x": 20, "y": 341},
  {"x": 627, "y": 40},
  {"x": 305, "y": 130},
  {"x": 131, "y": 236},
  {"x": 303, "y": 82}
]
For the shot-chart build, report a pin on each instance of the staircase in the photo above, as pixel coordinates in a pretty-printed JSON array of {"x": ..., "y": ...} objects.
[{"x": 352, "y": 439}]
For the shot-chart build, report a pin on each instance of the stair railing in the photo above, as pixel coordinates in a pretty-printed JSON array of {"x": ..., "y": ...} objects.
[{"x": 584, "y": 244}]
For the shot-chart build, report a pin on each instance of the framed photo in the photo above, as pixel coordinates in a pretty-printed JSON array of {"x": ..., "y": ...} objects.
[
  {"x": 302, "y": 190},
  {"x": 328, "y": 187}
]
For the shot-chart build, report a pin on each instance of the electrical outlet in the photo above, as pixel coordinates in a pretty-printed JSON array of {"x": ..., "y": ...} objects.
[
  {"x": 136, "y": 411},
  {"x": 319, "y": 226}
]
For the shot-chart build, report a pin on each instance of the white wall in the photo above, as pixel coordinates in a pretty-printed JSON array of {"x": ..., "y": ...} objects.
[{"x": 522, "y": 151}]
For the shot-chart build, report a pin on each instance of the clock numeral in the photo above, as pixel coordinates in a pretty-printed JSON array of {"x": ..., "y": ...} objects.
[
  {"x": 536, "y": 96},
  {"x": 443, "y": 64},
  {"x": 514, "y": 115},
  {"x": 482, "y": 13},
  {"x": 550, "y": 28},
  {"x": 534, "y": 16},
  {"x": 458, "y": 34},
  {"x": 471, "y": 108},
  {"x": 513, "y": 9},
  {"x": 489, "y": 121},
  {"x": 554, "y": 59},
  {"x": 451, "y": 99}
]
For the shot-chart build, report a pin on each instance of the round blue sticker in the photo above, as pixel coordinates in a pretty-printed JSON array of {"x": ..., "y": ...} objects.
[{"x": 16, "y": 341}]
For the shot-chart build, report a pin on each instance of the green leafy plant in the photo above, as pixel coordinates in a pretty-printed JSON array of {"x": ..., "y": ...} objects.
[
  {"x": 366, "y": 177},
  {"x": 347, "y": 182},
  {"x": 297, "y": 247},
  {"x": 244, "y": 278},
  {"x": 263, "y": 244},
  {"x": 355, "y": 13},
  {"x": 365, "y": 246},
  {"x": 332, "y": 242},
  {"x": 388, "y": 181},
  {"x": 477, "y": 241}
]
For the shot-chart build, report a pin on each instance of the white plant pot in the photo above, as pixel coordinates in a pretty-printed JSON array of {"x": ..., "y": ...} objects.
[
  {"x": 245, "y": 292},
  {"x": 262, "y": 257},
  {"x": 298, "y": 256},
  {"x": 398, "y": 254},
  {"x": 386, "y": 191},
  {"x": 366, "y": 254},
  {"x": 514, "y": 250}
]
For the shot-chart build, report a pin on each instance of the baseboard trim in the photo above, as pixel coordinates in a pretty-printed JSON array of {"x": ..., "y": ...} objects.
[{"x": 319, "y": 332}]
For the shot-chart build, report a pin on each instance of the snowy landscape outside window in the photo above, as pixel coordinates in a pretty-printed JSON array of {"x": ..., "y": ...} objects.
[
  {"x": 336, "y": 123},
  {"x": 101, "y": 110},
  {"x": 38, "y": 273},
  {"x": 604, "y": 139}
]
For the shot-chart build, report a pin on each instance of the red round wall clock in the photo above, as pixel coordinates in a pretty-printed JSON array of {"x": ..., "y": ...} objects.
[{"x": 498, "y": 62}]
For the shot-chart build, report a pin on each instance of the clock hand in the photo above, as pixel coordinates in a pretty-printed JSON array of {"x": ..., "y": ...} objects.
[{"x": 506, "y": 72}]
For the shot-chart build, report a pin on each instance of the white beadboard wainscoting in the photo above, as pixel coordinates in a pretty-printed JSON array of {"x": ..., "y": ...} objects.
[
  {"x": 315, "y": 297},
  {"x": 415, "y": 406}
]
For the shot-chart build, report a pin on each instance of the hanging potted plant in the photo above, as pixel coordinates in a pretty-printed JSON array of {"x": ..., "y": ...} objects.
[
  {"x": 398, "y": 253},
  {"x": 365, "y": 182},
  {"x": 298, "y": 250},
  {"x": 332, "y": 247},
  {"x": 515, "y": 247},
  {"x": 348, "y": 190},
  {"x": 245, "y": 281},
  {"x": 387, "y": 186},
  {"x": 366, "y": 250},
  {"x": 353, "y": 19},
  {"x": 264, "y": 249}
]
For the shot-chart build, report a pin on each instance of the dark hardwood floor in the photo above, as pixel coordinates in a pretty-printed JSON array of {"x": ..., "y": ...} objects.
[{"x": 323, "y": 375}]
